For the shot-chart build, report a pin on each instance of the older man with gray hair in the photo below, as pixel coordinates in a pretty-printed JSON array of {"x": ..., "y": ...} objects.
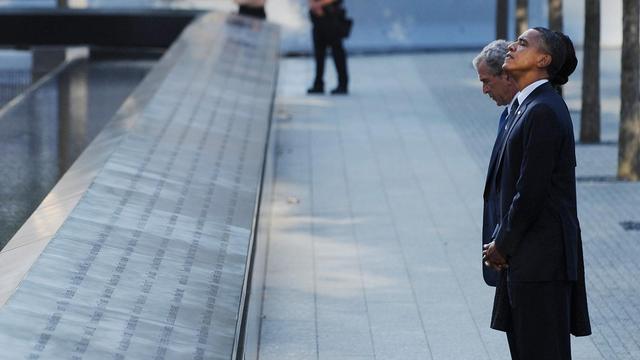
[
  {"x": 500, "y": 87},
  {"x": 495, "y": 82}
]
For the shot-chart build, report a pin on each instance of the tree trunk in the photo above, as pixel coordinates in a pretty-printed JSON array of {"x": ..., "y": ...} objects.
[
  {"x": 629, "y": 140},
  {"x": 502, "y": 18},
  {"x": 590, "y": 120},
  {"x": 62, "y": 3},
  {"x": 556, "y": 21},
  {"x": 555, "y": 15},
  {"x": 522, "y": 16}
]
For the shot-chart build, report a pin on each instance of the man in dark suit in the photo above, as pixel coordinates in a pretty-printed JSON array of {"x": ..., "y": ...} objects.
[
  {"x": 540, "y": 297},
  {"x": 502, "y": 88}
]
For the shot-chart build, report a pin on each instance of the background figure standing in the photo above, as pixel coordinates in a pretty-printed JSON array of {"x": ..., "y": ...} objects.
[
  {"x": 502, "y": 88},
  {"x": 325, "y": 17},
  {"x": 540, "y": 297},
  {"x": 253, "y": 8}
]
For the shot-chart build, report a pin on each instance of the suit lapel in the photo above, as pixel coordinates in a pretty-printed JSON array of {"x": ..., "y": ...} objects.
[
  {"x": 521, "y": 111},
  {"x": 494, "y": 154},
  {"x": 519, "y": 114}
]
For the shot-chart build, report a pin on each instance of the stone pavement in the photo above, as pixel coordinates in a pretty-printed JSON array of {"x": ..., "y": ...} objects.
[{"x": 374, "y": 248}]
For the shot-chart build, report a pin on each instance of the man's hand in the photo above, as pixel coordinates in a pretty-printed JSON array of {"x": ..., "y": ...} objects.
[{"x": 493, "y": 258}]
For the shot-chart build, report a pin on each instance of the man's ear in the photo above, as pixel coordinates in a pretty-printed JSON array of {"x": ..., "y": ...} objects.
[{"x": 544, "y": 60}]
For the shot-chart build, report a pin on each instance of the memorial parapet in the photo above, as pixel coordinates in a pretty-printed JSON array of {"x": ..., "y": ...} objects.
[{"x": 147, "y": 239}]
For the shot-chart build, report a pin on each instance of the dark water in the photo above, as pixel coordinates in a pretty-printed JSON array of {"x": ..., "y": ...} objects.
[
  {"x": 12, "y": 83},
  {"x": 43, "y": 135},
  {"x": 15, "y": 73}
]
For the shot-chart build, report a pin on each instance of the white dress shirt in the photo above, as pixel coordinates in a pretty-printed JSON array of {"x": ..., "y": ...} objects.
[{"x": 524, "y": 93}]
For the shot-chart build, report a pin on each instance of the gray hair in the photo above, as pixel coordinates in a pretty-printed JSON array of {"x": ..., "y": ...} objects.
[{"x": 493, "y": 55}]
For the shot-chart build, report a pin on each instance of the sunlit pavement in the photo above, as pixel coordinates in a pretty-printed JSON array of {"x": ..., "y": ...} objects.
[{"x": 374, "y": 246}]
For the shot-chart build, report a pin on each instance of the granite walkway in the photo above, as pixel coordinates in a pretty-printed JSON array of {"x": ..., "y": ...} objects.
[{"x": 374, "y": 249}]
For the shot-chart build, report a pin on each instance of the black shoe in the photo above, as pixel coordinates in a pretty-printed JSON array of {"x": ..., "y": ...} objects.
[
  {"x": 340, "y": 90},
  {"x": 316, "y": 89}
]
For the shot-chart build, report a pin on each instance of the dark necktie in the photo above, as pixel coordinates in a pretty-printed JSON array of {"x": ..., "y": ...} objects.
[
  {"x": 503, "y": 121},
  {"x": 507, "y": 123},
  {"x": 502, "y": 131},
  {"x": 512, "y": 115}
]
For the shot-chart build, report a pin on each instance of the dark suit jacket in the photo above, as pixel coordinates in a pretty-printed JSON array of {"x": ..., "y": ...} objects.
[
  {"x": 539, "y": 233},
  {"x": 490, "y": 208}
]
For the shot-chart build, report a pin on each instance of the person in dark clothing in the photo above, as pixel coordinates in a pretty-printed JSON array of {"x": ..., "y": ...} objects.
[
  {"x": 536, "y": 246},
  {"x": 326, "y": 34},
  {"x": 252, "y": 8},
  {"x": 502, "y": 88}
]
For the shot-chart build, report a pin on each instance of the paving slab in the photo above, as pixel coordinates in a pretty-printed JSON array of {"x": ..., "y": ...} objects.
[{"x": 381, "y": 244}]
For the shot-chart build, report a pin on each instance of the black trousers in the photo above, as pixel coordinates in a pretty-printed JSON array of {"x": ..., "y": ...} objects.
[
  {"x": 320, "y": 44},
  {"x": 256, "y": 12},
  {"x": 540, "y": 314}
]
